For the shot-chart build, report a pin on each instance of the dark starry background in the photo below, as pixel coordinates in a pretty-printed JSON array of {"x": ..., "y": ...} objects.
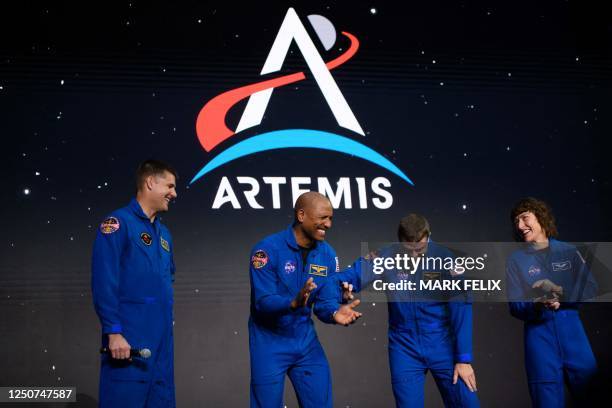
[{"x": 479, "y": 103}]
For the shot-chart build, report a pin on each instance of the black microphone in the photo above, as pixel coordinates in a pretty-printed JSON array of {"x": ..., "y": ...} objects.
[{"x": 143, "y": 353}]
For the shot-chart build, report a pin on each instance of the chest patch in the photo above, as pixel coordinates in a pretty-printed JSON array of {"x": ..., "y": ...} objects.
[
  {"x": 317, "y": 270},
  {"x": 290, "y": 267},
  {"x": 146, "y": 238},
  {"x": 561, "y": 266},
  {"x": 402, "y": 274},
  {"x": 164, "y": 244},
  {"x": 431, "y": 275},
  {"x": 534, "y": 270}
]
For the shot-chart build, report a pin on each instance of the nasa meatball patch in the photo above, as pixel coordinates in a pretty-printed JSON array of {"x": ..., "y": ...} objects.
[
  {"x": 534, "y": 270},
  {"x": 259, "y": 259},
  {"x": 290, "y": 267},
  {"x": 109, "y": 225}
]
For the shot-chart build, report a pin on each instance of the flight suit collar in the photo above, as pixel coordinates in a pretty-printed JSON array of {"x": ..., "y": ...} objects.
[
  {"x": 553, "y": 245},
  {"x": 135, "y": 207},
  {"x": 292, "y": 243}
]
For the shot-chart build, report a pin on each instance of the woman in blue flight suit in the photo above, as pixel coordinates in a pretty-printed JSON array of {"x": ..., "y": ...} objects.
[{"x": 556, "y": 346}]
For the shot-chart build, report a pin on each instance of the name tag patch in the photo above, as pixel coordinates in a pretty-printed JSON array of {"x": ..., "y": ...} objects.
[
  {"x": 317, "y": 270},
  {"x": 164, "y": 244},
  {"x": 561, "y": 266},
  {"x": 431, "y": 275}
]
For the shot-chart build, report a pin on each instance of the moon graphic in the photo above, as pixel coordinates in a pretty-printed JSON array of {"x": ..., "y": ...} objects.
[{"x": 324, "y": 29}]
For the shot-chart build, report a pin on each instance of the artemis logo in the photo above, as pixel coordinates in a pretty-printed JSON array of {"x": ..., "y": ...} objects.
[{"x": 212, "y": 129}]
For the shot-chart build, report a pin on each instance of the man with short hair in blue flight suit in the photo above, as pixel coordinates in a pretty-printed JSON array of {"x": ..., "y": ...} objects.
[
  {"x": 546, "y": 279},
  {"x": 132, "y": 275},
  {"x": 287, "y": 271},
  {"x": 427, "y": 331}
]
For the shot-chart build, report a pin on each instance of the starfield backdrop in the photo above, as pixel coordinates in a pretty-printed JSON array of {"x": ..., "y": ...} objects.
[{"x": 477, "y": 103}]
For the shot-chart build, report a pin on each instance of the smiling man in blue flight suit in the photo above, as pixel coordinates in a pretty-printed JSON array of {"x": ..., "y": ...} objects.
[
  {"x": 287, "y": 271},
  {"x": 546, "y": 280},
  {"x": 427, "y": 331},
  {"x": 132, "y": 275}
]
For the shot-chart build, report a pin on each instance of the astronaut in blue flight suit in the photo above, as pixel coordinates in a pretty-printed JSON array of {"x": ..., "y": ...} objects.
[
  {"x": 546, "y": 279},
  {"x": 427, "y": 331},
  {"x": 287, "y": 271},
  {"x": 132, "y": 275}
]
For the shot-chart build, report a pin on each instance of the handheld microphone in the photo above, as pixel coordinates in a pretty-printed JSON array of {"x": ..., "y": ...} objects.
[{"x": 142, "y": 353}]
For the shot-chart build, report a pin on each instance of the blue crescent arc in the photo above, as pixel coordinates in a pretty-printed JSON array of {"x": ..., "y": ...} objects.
[{"x": 303, "y": 139}]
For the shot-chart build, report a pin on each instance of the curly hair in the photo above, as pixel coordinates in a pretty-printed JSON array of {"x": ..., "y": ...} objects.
[{"x": 542, "y": 212}]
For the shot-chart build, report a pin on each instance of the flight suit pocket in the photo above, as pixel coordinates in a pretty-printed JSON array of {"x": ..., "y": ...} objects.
[
  {"x": 138, "y": 320},
  {"x": 125, "y": 370}
]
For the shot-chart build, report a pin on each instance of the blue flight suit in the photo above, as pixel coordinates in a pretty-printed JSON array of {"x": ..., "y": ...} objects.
[
  {"x": 283, "y": 341},
  {"x": 132, "y": 275},
  {"x": 427, "y": 332},
  {"x": 556, "y": 346}
]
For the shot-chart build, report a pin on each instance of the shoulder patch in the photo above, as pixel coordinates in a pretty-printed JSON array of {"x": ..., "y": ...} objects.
[
  {"x": 259, "y": 259},
  {"x": 109, "y": 225},
  {"x": 337, "y": 264}
]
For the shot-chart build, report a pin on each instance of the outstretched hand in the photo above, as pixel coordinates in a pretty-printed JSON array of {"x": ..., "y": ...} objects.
[
  {"x": 301, "y": 299},
  {"x": 347, "y": 292},
  {"x": 346, "y": 314}
]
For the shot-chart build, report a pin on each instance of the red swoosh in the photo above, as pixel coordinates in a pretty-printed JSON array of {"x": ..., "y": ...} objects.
[{"x": 210, "y": 125}]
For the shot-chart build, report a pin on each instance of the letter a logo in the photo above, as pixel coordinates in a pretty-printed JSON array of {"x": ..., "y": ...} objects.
[{"x": 293, "y": 29}]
